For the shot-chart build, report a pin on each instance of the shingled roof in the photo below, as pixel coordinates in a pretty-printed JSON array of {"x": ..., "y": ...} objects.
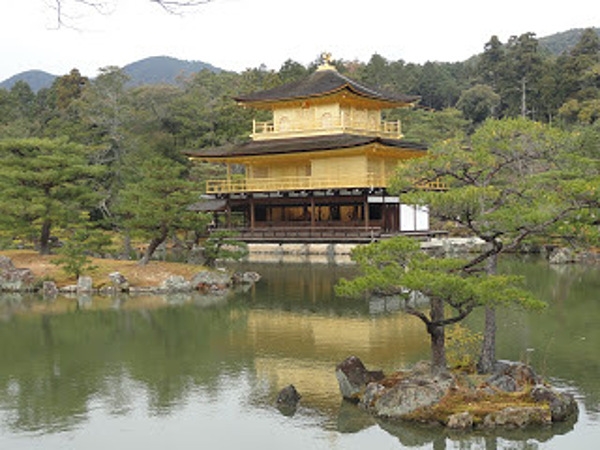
[
  {"x": 320, "y": 83},
  {"x": 299, "y": 145}
]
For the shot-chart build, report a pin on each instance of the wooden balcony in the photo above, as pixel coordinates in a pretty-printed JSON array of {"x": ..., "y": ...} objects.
[
  {"x": 292, "y": 184},
  {"x": 245, "y": 185},
  {"x": 268, "y": 130}
]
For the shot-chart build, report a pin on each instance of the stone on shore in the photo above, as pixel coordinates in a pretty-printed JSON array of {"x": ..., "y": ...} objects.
[
  {"x": 49, "y": 289},
  {"x": 84, "y": 284},
  {"x": 212, "y": 281},
  {"x": 175, "y": 283},
  {"x": 460, "y": 421},
  {"x": 13, "y": 279},
  {"x": 518, "y": 417},
  {"x": 406, "y": 394},
  {"x": 119, "y": 282},
  {"x": 562, "y": 255},
  {"x": 510, "y": 376}
]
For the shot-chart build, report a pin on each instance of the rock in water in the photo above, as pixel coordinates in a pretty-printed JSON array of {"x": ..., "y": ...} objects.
[
  {"x": 287, "y": 400},
  {"x": 562, "y": 405},
  {"x": 288, "y": 396},
  {"x": 245, "y": 278},
  {"x": 353, "y": 377}
]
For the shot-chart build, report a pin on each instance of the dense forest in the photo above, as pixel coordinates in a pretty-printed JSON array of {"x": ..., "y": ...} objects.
[{"x": 133, "y": 135}]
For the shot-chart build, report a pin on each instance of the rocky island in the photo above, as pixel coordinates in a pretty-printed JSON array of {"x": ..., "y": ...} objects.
[{"x": 513, "y": 396}]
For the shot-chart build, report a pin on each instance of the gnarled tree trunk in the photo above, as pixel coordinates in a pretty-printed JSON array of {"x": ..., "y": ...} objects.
[
  {"x": 45, "y": 237},
  {"x": 152, "y": 246},
  {"x": 487, "y": 358},
  {"x": 437, "y": 335}
]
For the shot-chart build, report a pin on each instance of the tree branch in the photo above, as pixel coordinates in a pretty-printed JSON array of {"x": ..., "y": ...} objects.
[
  {"x": 61, "y": 7},
  {"x": 450, "y": 320},
  {"x": 415, "y": 312},
  {"x": 173, "y": 7}
]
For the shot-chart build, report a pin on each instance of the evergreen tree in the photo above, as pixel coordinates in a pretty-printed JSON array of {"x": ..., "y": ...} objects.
[
  {"x": 398, "y": 267},
  {"x": 513, "y": 179},
  {"x": 580, "y": 80},
  {"x": 154, "y": 204},
  {"x": 45, "y": 184},
  {"x": 478, "y": 103},
  {"x": 491, "y": 63}
]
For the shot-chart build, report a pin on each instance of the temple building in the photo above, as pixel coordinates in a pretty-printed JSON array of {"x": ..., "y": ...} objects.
[{"x": 319, "y": 170}]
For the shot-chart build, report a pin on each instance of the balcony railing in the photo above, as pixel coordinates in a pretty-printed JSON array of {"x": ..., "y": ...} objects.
[
  {"x": 292, "y": 184},
  {"x": 268, "y": 130},
  {"x": 303, "y": 183}
]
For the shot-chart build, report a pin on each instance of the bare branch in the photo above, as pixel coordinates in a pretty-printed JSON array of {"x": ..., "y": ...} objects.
[
  {"x": 65, "y": 10},
  {"x": 176, "y": 7}
]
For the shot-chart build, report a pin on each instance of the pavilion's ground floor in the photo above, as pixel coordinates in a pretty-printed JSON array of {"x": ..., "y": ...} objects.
[{"x": 357, "y": 215}]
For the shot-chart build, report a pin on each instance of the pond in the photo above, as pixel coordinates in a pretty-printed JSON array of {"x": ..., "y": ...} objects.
[{"x": 203, "y": 372}]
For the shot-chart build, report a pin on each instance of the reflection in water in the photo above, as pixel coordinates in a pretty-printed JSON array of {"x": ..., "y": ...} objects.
[{"x": 194, "y": 366}]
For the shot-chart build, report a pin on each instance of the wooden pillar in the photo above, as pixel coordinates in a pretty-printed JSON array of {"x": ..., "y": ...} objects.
[
  {"x": 252, "y": 213},
  {"x": 228, "y": 214},
  {"x": 366, "y": 210},
  {"x": 228, "y": 177},
  {"x": 312, "y": 211}
]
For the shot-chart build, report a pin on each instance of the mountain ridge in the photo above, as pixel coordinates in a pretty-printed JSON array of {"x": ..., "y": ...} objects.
[
  {"x": 168, "y": 70},
  {"x": 150, "y": 70}
]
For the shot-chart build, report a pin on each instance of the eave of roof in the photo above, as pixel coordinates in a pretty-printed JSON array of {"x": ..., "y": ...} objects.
[
  {"x": 321, "y": 83},
  {"x": 299, "y": 145}
]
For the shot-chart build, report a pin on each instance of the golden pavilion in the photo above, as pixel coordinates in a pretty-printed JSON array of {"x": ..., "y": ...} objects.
[{"x": 318, "y": 171}]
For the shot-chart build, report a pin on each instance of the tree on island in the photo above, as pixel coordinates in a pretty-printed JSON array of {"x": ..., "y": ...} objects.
[
  {"x": 45, "y": 183},
  {"x": 397, "y": 266},
  {"x": 512, "y": 180}
]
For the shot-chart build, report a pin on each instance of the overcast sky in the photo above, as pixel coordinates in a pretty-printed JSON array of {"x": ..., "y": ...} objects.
[{"x": 240, "y": 34}]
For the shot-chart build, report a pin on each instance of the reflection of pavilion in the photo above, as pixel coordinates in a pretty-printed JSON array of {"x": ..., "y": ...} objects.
[
  {"x": 320, "y": 169},
  {"x": 303, "y": 350}
]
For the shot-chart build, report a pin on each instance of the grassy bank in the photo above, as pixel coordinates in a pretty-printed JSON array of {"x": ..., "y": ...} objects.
[{"x": 150, "y": 275}]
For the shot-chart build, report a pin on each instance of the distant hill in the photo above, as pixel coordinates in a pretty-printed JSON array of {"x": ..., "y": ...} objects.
[
  {"x": 559, "y": 43},
  {"x": 154, "y": 70},
  {"x": 167, "y": 70},
  {"x": 163, "y": 70},
  {"x": 36, "y": 79}
]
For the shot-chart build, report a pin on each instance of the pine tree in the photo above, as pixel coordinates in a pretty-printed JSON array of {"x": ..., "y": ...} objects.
[
  {"x": 512, "y": 180},
  {"x": 154, "y": 204},
  {"x": 45, "y": 183}
]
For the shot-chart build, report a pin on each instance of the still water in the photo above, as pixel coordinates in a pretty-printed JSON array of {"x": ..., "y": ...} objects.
[{"x": 203, "y": 372}]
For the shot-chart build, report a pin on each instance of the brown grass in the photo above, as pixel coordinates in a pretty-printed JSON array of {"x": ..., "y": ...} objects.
[
  {"x": 477, "y": 401},
  {"x": 141, "y": 276}
]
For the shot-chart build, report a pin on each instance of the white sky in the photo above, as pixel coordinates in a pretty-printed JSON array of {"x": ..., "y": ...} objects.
[{"x": 240, "y": 34}]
